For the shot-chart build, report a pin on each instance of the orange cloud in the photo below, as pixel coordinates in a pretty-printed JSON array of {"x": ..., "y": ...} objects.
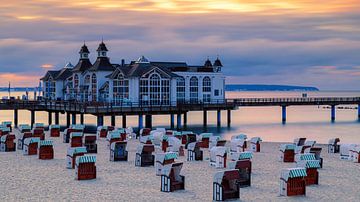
[
  {"x": 47, "y": 66},
  {"x": 18, "y": 80}
]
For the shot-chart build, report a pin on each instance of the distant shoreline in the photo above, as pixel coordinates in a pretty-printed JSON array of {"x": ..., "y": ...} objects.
[{"x": 261, "y": 87}]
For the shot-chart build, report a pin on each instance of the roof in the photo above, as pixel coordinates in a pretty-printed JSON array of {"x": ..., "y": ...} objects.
[
  {"x": 102, "y": 64},
  {"x": 104, "y": 86},
  {"x": 292, "y": 173},
  {"x": 102, "y": 47},
  {"x": 69, "y": 65},
  {"x": 51, "y": 73},
  {"x": 82, "y": 65},
  {"x": 64, "y": 74},
  {"x": 208, "y": 63},
  {"x": 139, "y": 69},
  {"x": 84, "y": 49},
  {"x": 218, "y": 63}
]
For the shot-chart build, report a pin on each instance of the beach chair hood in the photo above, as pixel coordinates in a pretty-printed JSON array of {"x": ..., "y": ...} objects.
[{"x": 293, "y": 173}]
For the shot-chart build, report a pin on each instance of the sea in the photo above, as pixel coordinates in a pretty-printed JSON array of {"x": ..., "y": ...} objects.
[{"x": 312, "y": 122}]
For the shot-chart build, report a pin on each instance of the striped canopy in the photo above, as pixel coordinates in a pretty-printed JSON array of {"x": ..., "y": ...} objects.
[
  {"x": 177, "y": 133},
  {"x": 206, "y": 135},
  {"x": 80, "y": 150},
  {"x": 114, "y": 134},
  {"x": 36, "y": 125},
  {"x": 170, "y": 155},
  {"x": 5, "y": 129},
  {"x": 76, "y": 134},
  {"x": 6, "y": 122},
  {"x": 85, "y": 159},
  {"x": 186, "y": 132},
  {"x": 293, "y": 173},
  {"x": 307, "y": 157},
  {"x": 165, "y": 137},
  {"x": 54, "y": 126},
  {"x": 46, "y": 143},
  {"x": 245, "y": 155},
  {"x": 312, "y": 164},
  {"x": 77, "y": 126}
]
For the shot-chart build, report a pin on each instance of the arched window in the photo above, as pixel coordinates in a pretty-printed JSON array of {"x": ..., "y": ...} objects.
[
  {"x": 120, "y": 89},
  {"x": 76, "y": 83},
  {"x": 87, "y": 79},
  {"x": 94, "y": 87},
  {"x": 180, "y": 90},
  {"x": 194, "y": 89},
  {"x": 206, "y": 89},
  {"x": 155, "y": 90}
]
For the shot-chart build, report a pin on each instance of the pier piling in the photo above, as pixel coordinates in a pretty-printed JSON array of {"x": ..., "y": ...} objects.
[
  {"x": 228, "y": 117},
  {"x": 283, "y": 114},
  {"x": 124, "y": 121},
  {"x": 140, "y": 122},
  {"x": 178, "y": 119},
  {"x": 73, "y": 118},
  {"x": 148, "y": 121},
  {"x": 172, "y": 121},
  {"x": 32, "y": 118},
  {"x": 359, "y": 111},
  {"x": 218, "y": 118},
  {"x": 333, "y": 112},
  {"x": 100, "y": 120},
  {"x": 113, "y": 120},
  {"x": 49, "y": 118},
  {"x": 16, "y": 115},
  {"x": 67, "y": 119},
  {"x": 81, "y": 118},
  {"x": 57, "y": 118},
  {"x": 205, "y": 118},
  {"x": 185, "y": 120}
]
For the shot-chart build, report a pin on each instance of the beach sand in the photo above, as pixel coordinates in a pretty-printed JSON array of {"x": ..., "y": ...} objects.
[{"x": 26, "y": 178}]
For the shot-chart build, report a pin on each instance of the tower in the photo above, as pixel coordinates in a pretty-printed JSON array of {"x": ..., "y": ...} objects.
[
  {"x": 84, "y": 52},
  {"x": 102, "y": 50},
  {"x": 217, "y": 65}
]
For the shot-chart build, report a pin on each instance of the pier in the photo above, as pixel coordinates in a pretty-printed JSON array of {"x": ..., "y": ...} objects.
[{"x": 99, "y": 109}]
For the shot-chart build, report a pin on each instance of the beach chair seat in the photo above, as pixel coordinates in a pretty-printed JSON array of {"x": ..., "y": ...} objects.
[
  {"x": 333, "y": 146},
  {"x": 85, "y": 168},
  {"x": 76, "y": 139},
  {"x": 90, "y": 143},
  {"x": 194, "y": 152},
  {"x": 244, "y": 168},
  {"x": 287, "y": 153},
  {"x": 31, "y": 145},
  {"x": 7, "y": 143},
  {"x": 292, "y": 182},
  {"x": 118, "y": 151},
  {"x": 171, "y": 180},
  {"x": 46, "y": 150},
  {"x": 54, "y": 130},
  {"x": 226, "y": 185},
  {"x": 255, "y": 144},
  {"x": 72, "y": 153},
  {"x": 144, "y": 155}
]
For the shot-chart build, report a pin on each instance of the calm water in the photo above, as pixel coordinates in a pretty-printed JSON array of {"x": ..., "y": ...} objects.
[{"x": 312, "y": 122}]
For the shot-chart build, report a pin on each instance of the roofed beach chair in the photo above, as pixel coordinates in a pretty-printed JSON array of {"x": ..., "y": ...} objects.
[
  {"x": 204, "y": 139},
  {"x": 144, "y": 155},
  {"x": 76, "y": 139},
  {"x": 237, "y": 145},
  {"x": 163, "y": 159},
  {"x": 113, "y": 136},
  {"x": 118, "y": 151},
  {"x": 317, "y": 152},
  {"x": 175, "y": 146},
  {"x": 304, "y": 157},
  {"x": 54, "y": 130},
  {"x": 312, "y": 174},
  {"x": 85, "y": 168},
  {"x": 292, "y": 182},
  {"x": 226, "y": 185},
  {"x": 22, "y": 138},
  {"x": 287, "y": 153},
  {"x": 333, "y": 146},
  {"x": 190, "y": 138},
  {"x": 38, "y": 132},
  {"x": 31, "y": 145},
  {"x": 24, "y": 128},
  {"x": 345, "y": 151},
  {"x": 194, "y": 152},
  {"x": 299, "y": 141},
  {"x": 165, "y": 143},
  {"x": 38, "y": 125},
  {"x": 184, "y": 135},
  {"x": 130, "y": 132},
  {"x": 7, "y": 124},
  {"x": 72, "y": 153},
  {"x": 90, "y": 143},
  {"x": 354, "y": 153},
  {"x": 171, "y": 180},
  {"x": 102, "y": 131},
  {"x": 218, "y": 157},
  {"x": 72, "y": 128},
  {"x": 46, "y": 150},
  {"x": 244, "y": 168},
  {"x": 144, "y": 132},
  {"x": 7, "y": 143},
  {"x": 4, "y": 130},
  {"x": 216, "y": 141},
  {"x": 255, "y": 144},
  {"x": 157, "y": 137}
]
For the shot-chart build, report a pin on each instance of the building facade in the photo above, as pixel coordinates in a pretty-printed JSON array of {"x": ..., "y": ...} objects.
[{"x": 141, "y": 82}]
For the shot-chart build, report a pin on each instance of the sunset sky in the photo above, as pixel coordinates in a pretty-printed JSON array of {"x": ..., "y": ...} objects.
[{"x": 295, "y": 42}]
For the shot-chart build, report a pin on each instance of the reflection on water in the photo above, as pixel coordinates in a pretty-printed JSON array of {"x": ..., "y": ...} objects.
[{"x": 312, "y": 122}]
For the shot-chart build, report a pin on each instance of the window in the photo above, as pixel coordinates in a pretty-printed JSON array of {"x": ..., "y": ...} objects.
[
  {"x": 206, "y": 89},
  {"x": 94, "y": 87},
  {"x": 76, "y": 83},
  {"x": 194, "y": 89},
  {"x": 180, "y": 90},
  {"x": 155, "y": 90},
  {"x": 120, "y": 89},
  {"x": 216, "y": 92},
  {"x": 50, "y": 91}
]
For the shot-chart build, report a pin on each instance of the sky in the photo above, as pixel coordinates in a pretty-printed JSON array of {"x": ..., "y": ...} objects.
[{"x": 292, "y": 42}]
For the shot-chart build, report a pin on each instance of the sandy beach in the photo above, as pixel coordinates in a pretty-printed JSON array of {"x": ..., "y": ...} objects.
[{"x": 26, "y": 178}]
